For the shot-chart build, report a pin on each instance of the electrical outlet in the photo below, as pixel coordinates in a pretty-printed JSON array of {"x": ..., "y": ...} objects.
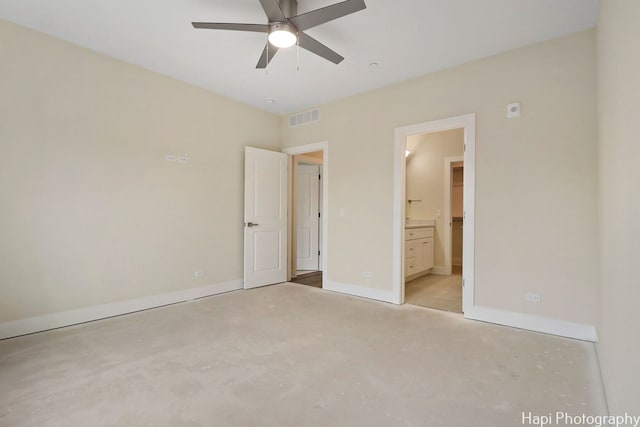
[
  {"x": 199, "y": 273},
  {"x": 367, "y": 274},
  {"x": 183, "y": 159},
  {"x": 532, "y": 297},
  {"x": 171, "y": 158}
]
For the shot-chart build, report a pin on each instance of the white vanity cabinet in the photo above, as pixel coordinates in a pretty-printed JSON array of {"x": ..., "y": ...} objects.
[{"x": 418, "y": 251}]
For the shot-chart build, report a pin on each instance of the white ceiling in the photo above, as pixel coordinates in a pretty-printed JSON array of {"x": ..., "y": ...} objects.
[{"x": 408, "y": 38}]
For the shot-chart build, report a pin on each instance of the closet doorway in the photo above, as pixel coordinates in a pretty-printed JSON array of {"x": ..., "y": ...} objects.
[{"x": 456, "y": 169}]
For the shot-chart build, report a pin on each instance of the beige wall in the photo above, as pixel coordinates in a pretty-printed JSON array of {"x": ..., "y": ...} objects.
[
  {"x": 92, "y": 213},
  {"x": 619, "y": 184},
  {"x": 425, "y": 180},
  {"x": 535, "y": 186}
]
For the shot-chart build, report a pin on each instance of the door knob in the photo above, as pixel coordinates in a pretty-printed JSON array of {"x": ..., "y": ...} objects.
[{"x": 251, "y": 224}]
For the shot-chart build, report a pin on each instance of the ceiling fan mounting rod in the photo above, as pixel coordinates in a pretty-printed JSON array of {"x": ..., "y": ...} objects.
[{"x": 289, "y": 7}]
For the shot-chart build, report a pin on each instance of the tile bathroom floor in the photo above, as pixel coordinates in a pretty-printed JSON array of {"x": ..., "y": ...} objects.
[{"x": 436, "y": 291}]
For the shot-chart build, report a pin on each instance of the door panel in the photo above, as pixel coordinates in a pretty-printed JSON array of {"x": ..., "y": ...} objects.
[
  {"x": 423, "y": 254},
  {"x": 265, "y": 217},
  {"x": 307, "y": 208},
  {"x": 266, "y": 249}
]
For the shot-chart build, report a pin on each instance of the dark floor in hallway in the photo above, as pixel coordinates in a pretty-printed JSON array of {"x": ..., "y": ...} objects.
[{"x": 310, "y": 279}]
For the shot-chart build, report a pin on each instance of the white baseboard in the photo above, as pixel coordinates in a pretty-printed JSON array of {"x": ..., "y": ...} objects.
[
  {"x": 530, "y": 322},
  {"x": 360, "y": 291},
  {"x": 87, "y": 314},
  {"x": 441, "y": 270}
]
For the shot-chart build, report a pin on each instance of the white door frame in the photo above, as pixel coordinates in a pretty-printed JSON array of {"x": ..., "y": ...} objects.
[
  {"x": 468, "y": 123},
  {"x": 448, "y": 215},
  {"x": 310, "y": 148}
]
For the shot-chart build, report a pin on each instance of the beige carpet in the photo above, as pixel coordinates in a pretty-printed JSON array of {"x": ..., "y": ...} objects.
[
  {"x": 291, "y": 355},
  {"x": 436, "y": 291}
]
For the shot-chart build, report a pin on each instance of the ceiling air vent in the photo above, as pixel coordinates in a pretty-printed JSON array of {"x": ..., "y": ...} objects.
[{"x": 304, "y": 118}]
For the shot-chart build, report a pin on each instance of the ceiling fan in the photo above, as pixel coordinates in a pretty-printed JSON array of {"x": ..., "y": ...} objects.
[{"x": 286, "y": 27}]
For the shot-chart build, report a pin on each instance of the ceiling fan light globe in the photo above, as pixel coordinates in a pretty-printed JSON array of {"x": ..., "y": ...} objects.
[
  {"x": 282, "y": 35},
  {"x": 282, "y": 38}
]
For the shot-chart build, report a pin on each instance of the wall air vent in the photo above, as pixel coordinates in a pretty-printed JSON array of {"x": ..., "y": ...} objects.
[{"x": 304, "y": 118}]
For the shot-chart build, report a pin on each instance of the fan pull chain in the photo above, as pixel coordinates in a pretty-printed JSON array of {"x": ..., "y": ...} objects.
[
  {"x": 266, "y": 66},
  {"x": 298, "y": 51}
]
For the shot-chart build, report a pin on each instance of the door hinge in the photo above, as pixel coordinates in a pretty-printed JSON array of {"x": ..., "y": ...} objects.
[
  {"x": 464, "y": 147},
  {"x": 318, "y": 253},
  {"x": 319, "y": 176},
  {"x": 464, "y": 215},
  {"x": 463, "y": 283},
  {"x": 318, "y": 214}
]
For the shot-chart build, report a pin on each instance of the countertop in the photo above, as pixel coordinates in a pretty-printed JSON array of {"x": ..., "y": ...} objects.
[{"x": 417, "y": 223}]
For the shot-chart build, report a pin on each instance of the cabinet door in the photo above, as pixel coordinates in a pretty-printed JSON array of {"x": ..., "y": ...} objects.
[
  {"x": 409, "y": 248},
  {"x": 427, "y": 253},
  {"x": 409, "y": 266},
  {"x": 423, "y": 254},
  {"x": 419, "y": 255}
]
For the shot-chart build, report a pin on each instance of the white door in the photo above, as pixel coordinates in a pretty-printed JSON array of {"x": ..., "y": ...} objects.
[
  {"x": 265, "y": 217},
  {"x": 307, "y": 211}
]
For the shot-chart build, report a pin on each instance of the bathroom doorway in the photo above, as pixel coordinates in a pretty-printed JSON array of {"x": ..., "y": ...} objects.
[
  {"x": 434, "y": 212},
  {"x": 433, "y": 167}
]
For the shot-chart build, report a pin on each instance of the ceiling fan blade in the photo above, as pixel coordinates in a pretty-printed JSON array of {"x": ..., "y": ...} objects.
[
  {"x": 313, "y": 45},
  {"x": 273, "y": 11},
  {"x": 326, "y": 14},
  {"x": 259, "y": 28},
  {"x": 263, "y": 61}
]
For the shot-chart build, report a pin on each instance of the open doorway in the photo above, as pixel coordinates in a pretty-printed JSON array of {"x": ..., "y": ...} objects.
[
  {"x": 307, "y": 220},
  {"x": 427, "y": 210},
  {"x": 307, "y": 215},
  {"x": 270, "y": 231},
  {"x": 456, "y": 183},
  {"x": 430, "y": 278}
]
